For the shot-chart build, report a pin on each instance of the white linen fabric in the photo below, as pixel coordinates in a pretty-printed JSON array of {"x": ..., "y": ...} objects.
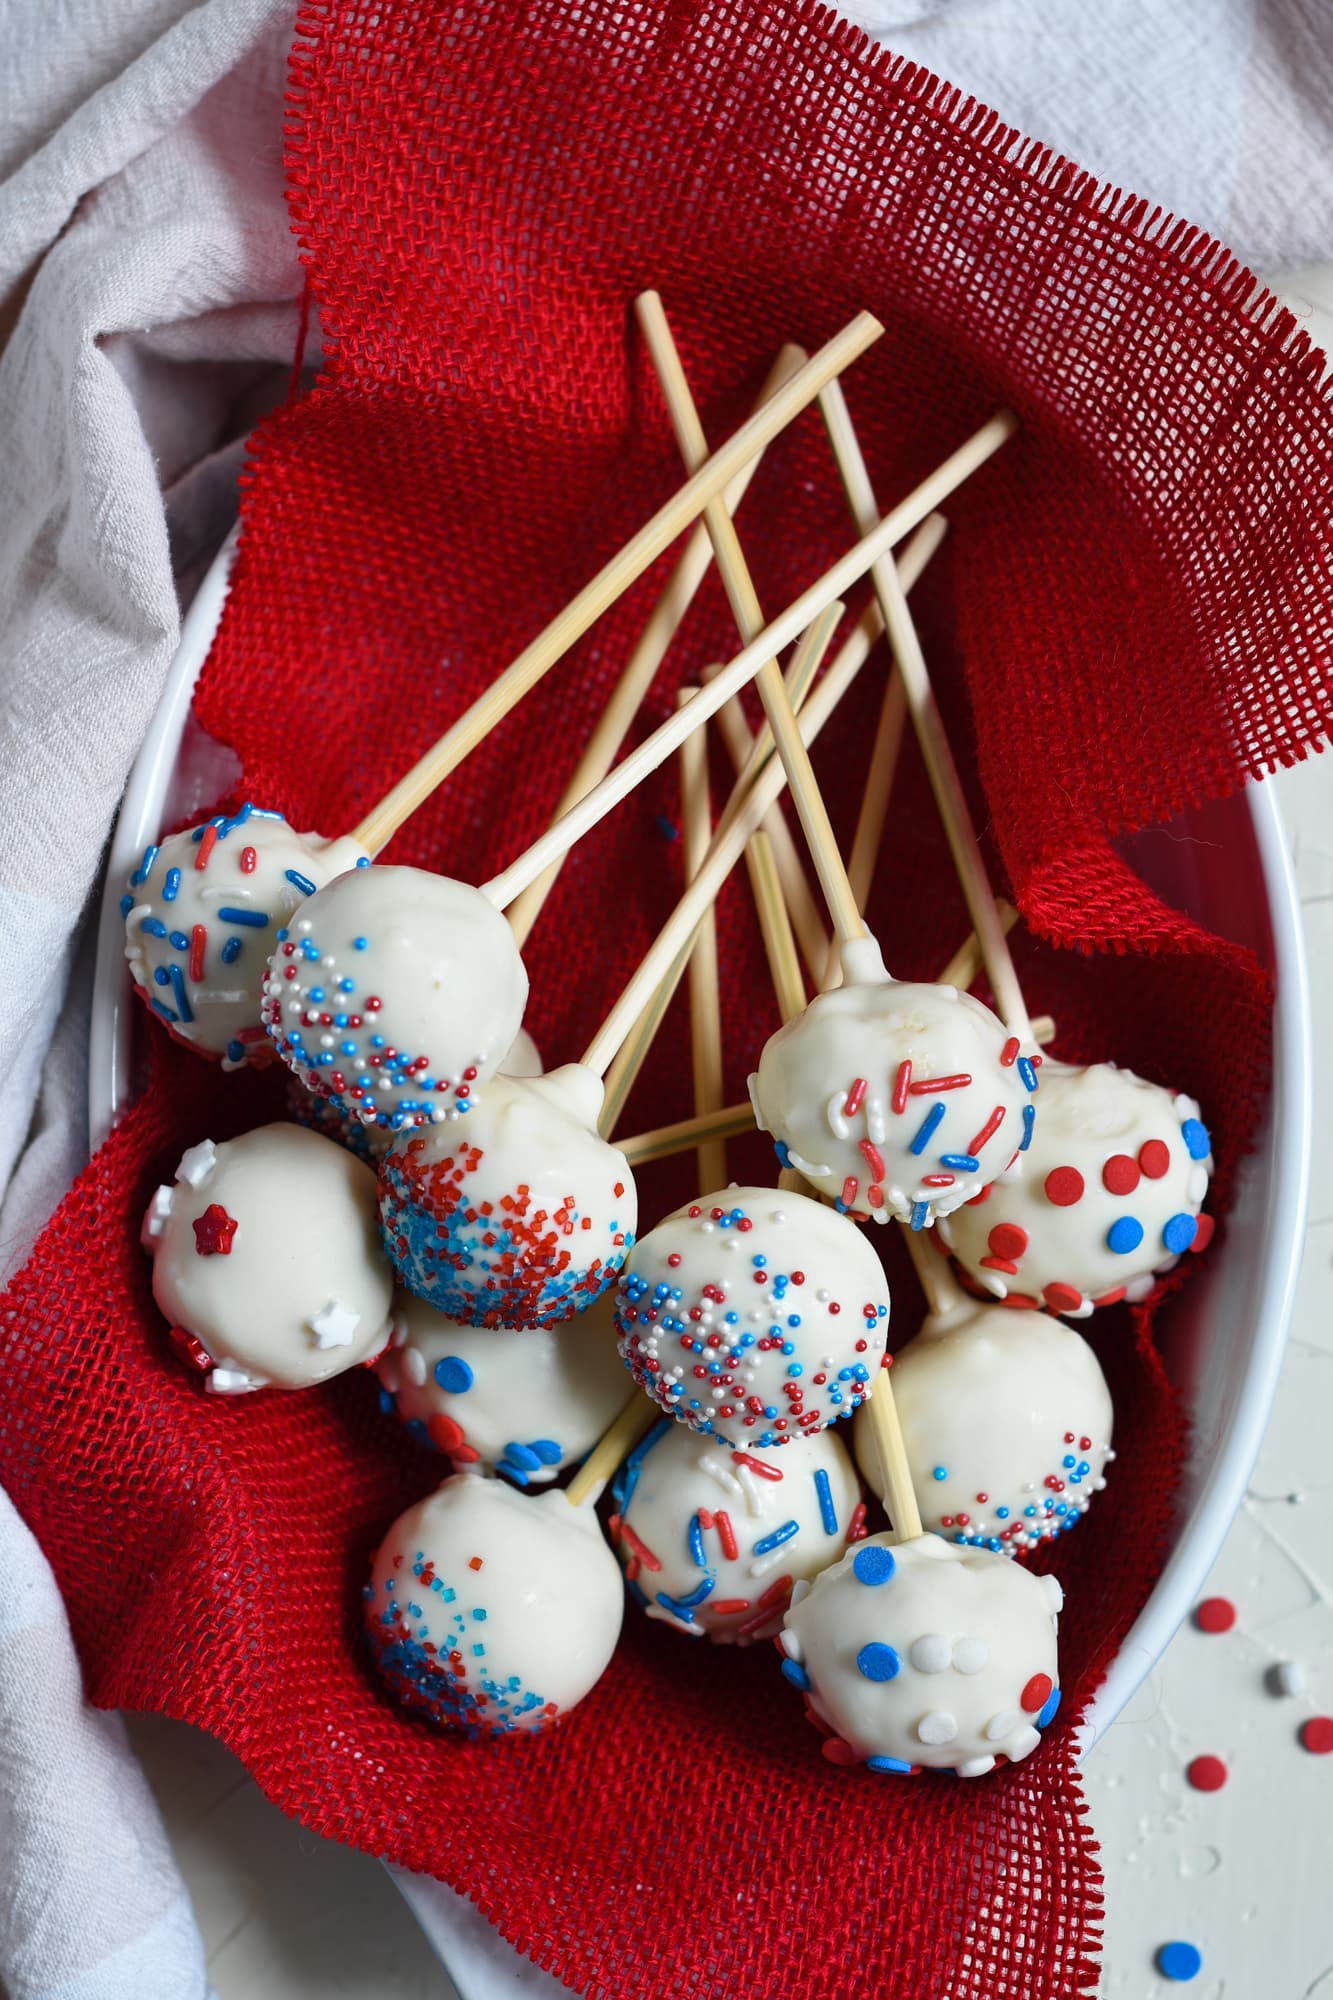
[{"x": 149, "y": 286}]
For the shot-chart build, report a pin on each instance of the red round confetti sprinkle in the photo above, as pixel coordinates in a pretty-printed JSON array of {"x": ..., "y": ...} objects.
[
  {"x": 1120, "y": 1175},
  {"x": 1317, "y": 1735},
  {"x": 1064, "y": 1186},
  {"x": 1203, "y": 1233},
  {"x": 1007, "y": 1240},
  {"x": 445, "y": 1434},
  {"x": 838, "y": 1752},
  {"x": 1215, "y": 1614},
  {"x": 1062, "y": 1298},
  {"x": 1207, "y": 1774},
  {"x": 1154, "y": 1158},
  {"x": 1036, "y": 1694}
]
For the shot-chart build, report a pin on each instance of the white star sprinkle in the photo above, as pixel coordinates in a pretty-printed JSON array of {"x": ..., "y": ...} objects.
[
  {"x": 335, "y": 1325},
  {"x": 197, "y": 1163}
]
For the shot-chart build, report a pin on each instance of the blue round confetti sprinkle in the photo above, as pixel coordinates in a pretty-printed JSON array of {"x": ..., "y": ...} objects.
[
  {"x": 453, "y": 1374},
  {"x": 1197, "y": 1143},
  {"x": 796, "y": 1673},
  {"x": 887, "y": 1764},
  {"x": 877, "y": 1662},
  {"x": 1179, "y": 1233},
  {"x": 1124, "y": 1235},
  {"x": 1179, "y": 1960},
  {"x": 1049, "y": 1711},
  {"x": 873, "y": 1565}
]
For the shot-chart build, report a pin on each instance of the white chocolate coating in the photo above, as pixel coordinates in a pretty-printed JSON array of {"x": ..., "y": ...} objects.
[
  {"x": 267, "y": 1261},
  {"x": 1108, "y": 1197},
  {"x": 524, "y": 1058},
  {"x": 894, "y": 1099},
  {"x": 202, "y": 911},
  {"x": 372, "y": 1142},
  {"x": 713, "y": 1547},
  {"x": 527, "y": 1403},
  {"x": 519, "y": 1215},
  {"x": 396, "y": 993},
  {"x": 1006, "y": 1418},
  {"x": 754, "y": 1316},
  {"x": 926, "y": 1654},
  {"x": 520, "y": 1600}
]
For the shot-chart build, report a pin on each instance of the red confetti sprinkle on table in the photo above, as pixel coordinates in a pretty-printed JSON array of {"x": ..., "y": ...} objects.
[
  {"x": 1317, "y": 1735},
  {"x": 1215, "y": 1614},
  {"x": 1207, "y": 1774}
]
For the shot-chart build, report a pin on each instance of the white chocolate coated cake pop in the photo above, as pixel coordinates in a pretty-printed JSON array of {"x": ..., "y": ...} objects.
[
  {"x": 267, "y": 1260},
  {"x": 712, "y": 1541},
  {"x": 923, "y": 1654},
  {"x": 895, "y": 1099},
  {"x": 1006, "y": 1419},
  {"x": 371, "y": 1142},
  {"x": 754, "y": 1316},
  {"x": 202, "y": 912},
  {"x": 519, "y": 1215},
  {"x": 396, "y": 993},
  {"x": 1108, "y": 1197},
  {"x": 524, "y": 1058},
  {"x": 527, "y": 1403},
  {"x": 491, "y": 1613}
]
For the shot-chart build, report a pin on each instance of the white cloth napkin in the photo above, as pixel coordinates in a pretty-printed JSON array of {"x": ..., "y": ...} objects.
[{"x": 150, "y": 281}]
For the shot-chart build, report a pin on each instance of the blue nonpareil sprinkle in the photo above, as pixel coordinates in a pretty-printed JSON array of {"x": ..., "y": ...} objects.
[
  {"x": 1029, "y": 1120},
  {"x": 828, "y": 1513},
  {"x": 255, "y": 920},
  {"x": 777, "y": 1538},
  {"x": 301, "y": 882},
  {"x": 928, "y": 1125},
  {"x": 171, "y": 887},
  {"x": 231, "y": 951},
  {"x": 181, "y": 996}
]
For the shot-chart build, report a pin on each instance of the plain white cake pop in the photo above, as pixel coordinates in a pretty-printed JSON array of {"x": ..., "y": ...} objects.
[
  {"x": 492, "y": 1613},
  {"x": 519, "y": 1215},
  {"x": 895, "y": 1099},
  {"x": 396, "y": 993},
  {"x": 1107, "y": 1200},
  {"x": 202, "y": 912},
  {"x": 921, "y": 1653},
  {"x": 1006, "y": 1419},
  {"x": 524, "y": 1058},
  {"x": 527, "y": 1403},
  {"x": 712, "y": 1545},
  {"x": 754, "y": 1316},
  {"x": 267, "y": 1260}
]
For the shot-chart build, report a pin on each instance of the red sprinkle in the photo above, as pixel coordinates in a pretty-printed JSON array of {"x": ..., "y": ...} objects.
[
  {"x": 1037, "y": 1692},
  {"x": 1317, "y": 1735},
  {"x": 1007, "y": 1240},
  {"x": 902, "y": 1083},
  {"x": 198, "y": 945},
  {"x": 1009, "y": 1053},
  {"x": 1203, "y": 1234},
  {"x": 1064, "y": 1186},
  {"x": 874, "y": 1159},
  {"x": 249, "y": 861},
  {"x": 729, "y": 1606},
  {"x": 727, "y": 1536},
  {"x": 1062, "y": 1298},
  {"x": 1154, "y": 1158},
  {"x": 849, "y": 1187},
  {"x": 641, "y": 1550},
  {"x": 988, "y": 1130},
  {"x": 1207, "y": 1774},
  {"x": 206, "y": 846},
  {"x": 1120, "y": 1175},
  {"x": 756, "y": 1465},
  {"x": 856, "y": 1527},
  {"x": 854, "y": 1098},
  {"x": 934, "y": 1083},
  {"x": 1215, "y": 1614}
]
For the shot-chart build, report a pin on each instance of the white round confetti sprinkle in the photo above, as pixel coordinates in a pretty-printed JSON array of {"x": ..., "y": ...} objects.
[
  {"x": 937, "y": 1727},
  {"x": 931, "y": 1653},
  {"x": 975, "y": 1767},
  {"x": 1286, "y": 1677},
  {"x": 414, "y": 1365},
  {"x": 970, "y": 1655},
  {"x": 1197, "y": 1185},
  {"x": 1002, "y": 1725},
  {"x": 1055, "y": 1596}
]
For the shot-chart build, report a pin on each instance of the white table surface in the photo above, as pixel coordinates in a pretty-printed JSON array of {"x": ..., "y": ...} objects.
[{"x": 1242, "y": 1873}]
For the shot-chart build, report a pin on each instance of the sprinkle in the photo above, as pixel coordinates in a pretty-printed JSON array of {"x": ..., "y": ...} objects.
[
  {"x": 214, "y": 1231},
  {"x": 152, "y": 927},
  {"x": 1197, "y": 1142},
  {"x": 1007, "y": 1241},
  {"x": 927, "y": 1126},
  {"x": 988, "y": 1130},
  {"x": 873, "y": 1565},
  {"x": 1154, "y": 1159},
  {"x": 1206, "y": 1774},
  {"x": 1036, "y": 1694},
  {"x": 666, "y": 827},
  {"x": 934, "y": 1083},
  {"x": 917, "y": 1219},
  {"x": 828, "y": 1513},
  {"x": 1178, "y": 1960},
  {"x": 179, "y": 993},
  {"x": 1120, "y": 1175},
  {"x": 937, "y": 1180},
  {"x": 856, "y": 1527},
  {"x": 1317, "y": 1735},
  {"x": 793, "y": 1670},
  {"x": 1124, "y": 1235},
  {"x": 208, "y": 840},
  {"x": 1029, "y": 1120},
  {"x": 696, "y": 1533},
  {"x": 126, "y": 905},
  {"x": 171, "y": 887},
  {"x": 640, "y": 1548},
  {"x": 255, "y": 920},
  {"x": 854, "y": 1098},
  {"x": 727, "y": 1536},
  {"x": 962, "y": 1163},
  {"x": 1063, "y": 1186},
  {"x": 145, "y": 868},
  {"x": 1178, "y": 1233},
  {"x": 756, "y": 1465},
  {"x": 1286, "y": 1677},
  {"x": 299, "y": 881},
  {"x": 888, "y": 1764},
  {"x": 902, "y": 1083},
  {"x": 198, "y": 946},
  {"x": 874, "y": 1159},
  {"x": 849, "y": 1188},
  {"x": 1027, "y": 1070},
  {"x": 521, "y": 1456},
  {"x": 1062, "y": 1298},
  {"x": 878, "y": 1662},
  {"x": 231, "y": 951},
  {"x": 453, "y": 1374},
  {"x": 249, "y": 861},
  {"x": 1009, "y": 1053},
  {"x": 1215, "y": 1614},
  {"x": 728, "y": 1607},
  {"x": 777, "y": 1538}
]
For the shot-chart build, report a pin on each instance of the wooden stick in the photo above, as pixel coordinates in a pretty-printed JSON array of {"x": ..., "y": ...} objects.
[
  {"x": 696, "y": 833},
  {"x": 874, "y": 803},
  {"x": 886, "y": 1431},
  {"x": 943, "y": 1292},
  {"x": 605, "y": 743},
  {"x": 678, "y": 513},
  {"x": 965, "y": 964},
  {"x": 950, "y": 798},
  {"x": 843, "y": 669},
  {"x": 635, "y": 1421},
  {"x": 797, "y": 618},
  {"x": 665, "y": 1141},
  {"x": 749, "y": 616},
  {"x": 802, "y": 909},
  {"x": 783, "y": 963}
]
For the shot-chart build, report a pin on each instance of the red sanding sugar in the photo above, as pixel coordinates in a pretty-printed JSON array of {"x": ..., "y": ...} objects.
[{"x": 1130, "y": 613}]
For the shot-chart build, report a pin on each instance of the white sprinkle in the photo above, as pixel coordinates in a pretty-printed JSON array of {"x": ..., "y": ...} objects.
[
  {"x": 975, "y": 1767},
  {"x": 1002, "y": 1725},
  {"x": 335, "y": 1325},
  {"x": 414, "y": 1365},
  {"x": 155, "y": 1217},
  {"x": 197, "y": 1163},
  {"x": 930, "y": 1654},
  {"x": 970, "y": 1655},
  {"x": 937, "y": 1727},
  {"x": 1286, "y": 1677}
]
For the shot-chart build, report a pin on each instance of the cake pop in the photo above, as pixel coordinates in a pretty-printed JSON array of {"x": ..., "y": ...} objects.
[
  {"x": 492, "y": 1613},
  {"x": 1108, "y": 1198},
  {"x": 754, "y": 1316},
  {"x": 267, "y": 1261},
  {"x": 712, "y": 1543},
  {"x": 519, "y": 1216},
  {"x": 923, "y": 1654},
  {"x": 371, "y": 1142},
  {"x": 202, "y": 911},
  {"x": 525, "y": 1402},
  {"x": 1007, "y": 1422},
  {"x": 396, "y": 994}
]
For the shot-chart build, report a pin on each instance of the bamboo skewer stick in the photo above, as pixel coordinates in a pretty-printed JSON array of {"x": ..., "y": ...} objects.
[
  {"x": 490, "y": 708},
  {"x": 943, "y": 1292},
  {"x": 943, "y": 771},
  {"x": 886, "y": 1433},
  {"x": 696, "y": 832},
  {"x": 635, "y": 1421},
  {"x": 874, "y": 803},
  {"x": 798, "y": 616},
  {"x": 605, "y": 743},
  {"x": 783, "y": 964},
  {"x": 802, "y": 909}
]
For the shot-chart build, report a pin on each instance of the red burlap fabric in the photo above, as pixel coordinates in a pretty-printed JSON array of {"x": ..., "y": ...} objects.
[{"x": 1133, "y": 612}]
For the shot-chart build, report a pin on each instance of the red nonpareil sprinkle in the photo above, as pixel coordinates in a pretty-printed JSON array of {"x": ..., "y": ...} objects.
[
  {"x": 207, "y": 843},
  {"x": 855, "y": 1098},
  {"x": 198, "y": 946},
  {"x": 902, "y": 1083},
  {"x": 1215, "y": 1614}
]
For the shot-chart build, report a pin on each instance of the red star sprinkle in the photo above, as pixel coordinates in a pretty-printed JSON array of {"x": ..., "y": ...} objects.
[{"x": 214, "y": 1231}]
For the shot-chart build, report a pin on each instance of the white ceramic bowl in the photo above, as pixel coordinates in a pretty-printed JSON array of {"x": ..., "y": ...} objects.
[{"x": 1226, "y": 865}]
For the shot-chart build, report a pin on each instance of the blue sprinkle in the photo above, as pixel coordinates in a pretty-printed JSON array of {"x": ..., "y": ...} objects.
[
  {"x": 873, "y": 1565},
  {"x": 682, "y": 1606},
  {"x": 180, "y": 940},
  {"x": 255, "y": 920},
  {"x": 454, "y": 1376},
  {"x": 161, "y": 976},
  {"x": 667, "y": 828},
  {"x": 150, "y": 927},
  {"x": 386, "y": 1403},
  {"x": 547, "y": 1450},
  {"x": 161, "y": 1007},
  {"x": 145, "y": 868},
  {"x": 364, "y": 862},
  {"x": 1048, "y": 1713},
  {"x": 777, "y": 1538},
  {"x": 231, "y": 951},
  {"x": 1026, "y": 1070},
  {"x": 928, "y": 1125},
  {"x": 1197, "y": 1142},
  {"x": 962, "y": 1163},
  {"x": 359, "y": 944},
  {"x": 796, "y": 1673},
  {"x": 1124, "y": 1235},
  {"x": 696, "y": 1534},
  {"x": 1179, "y": 1233},
  {"x": 828, "y": 1513},
  {"x": 940, "y": 1472},
  {"x": 179, "y": 993},
  {"x": 518, "y": 1454},
  {"x": 887, "y": 1764},
  {"x": 920, "y": 1210},
  {"x": 236, "y": 1052},
  {"x": 126, "y": 905},
  {"x": 878, "y": 1662},
  {"x": 779, "y": 1147},
  {"x": 301, "y": 882},
  {"x": 171, "y": 887},
  {"x": 1179, "y": 1960},
  {"x": 1029, "y": 1120}
]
